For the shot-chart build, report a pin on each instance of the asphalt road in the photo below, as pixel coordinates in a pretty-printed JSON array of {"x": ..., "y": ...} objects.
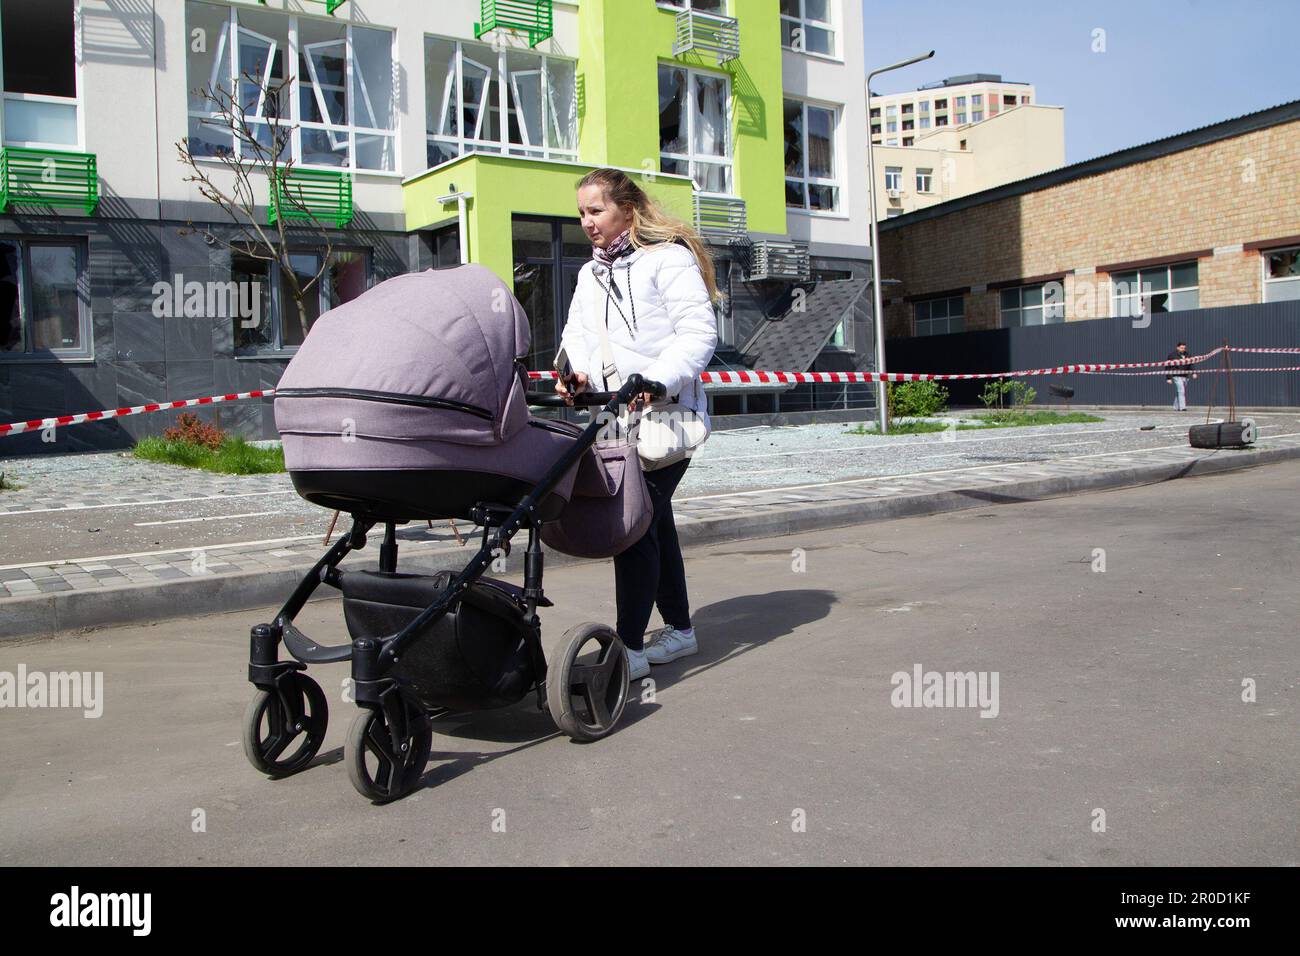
[{"x": 1118, "y": 691}]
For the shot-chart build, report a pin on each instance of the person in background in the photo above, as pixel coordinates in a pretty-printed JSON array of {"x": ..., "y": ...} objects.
[{"x": 1178, "y": 375}]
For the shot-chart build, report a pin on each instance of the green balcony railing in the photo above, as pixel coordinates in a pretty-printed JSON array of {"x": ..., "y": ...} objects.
[
  {"x": 48, "y": 177},
  {"x": 330, "y": 5},
  {"x": 532, "y": 17},
  {"x": 303, "y": 195}
]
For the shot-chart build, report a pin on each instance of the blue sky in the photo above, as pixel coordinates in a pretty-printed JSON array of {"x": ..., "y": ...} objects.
[{"x": 1168, "y": 66}]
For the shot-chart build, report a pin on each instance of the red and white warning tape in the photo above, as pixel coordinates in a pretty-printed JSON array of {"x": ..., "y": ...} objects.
[
  {"x": 770, "y": 378},
  {"x": 1210, "y": 371},
  {"x": 37, "y": 424},
  {"x": 728, "y": 378}
]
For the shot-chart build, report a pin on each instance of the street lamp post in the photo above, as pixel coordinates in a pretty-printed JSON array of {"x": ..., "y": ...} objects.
[{"x": 877, "y": 276}]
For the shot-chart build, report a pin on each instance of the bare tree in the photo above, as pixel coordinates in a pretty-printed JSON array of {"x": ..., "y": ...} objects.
[{"x": 257, "y": 157}]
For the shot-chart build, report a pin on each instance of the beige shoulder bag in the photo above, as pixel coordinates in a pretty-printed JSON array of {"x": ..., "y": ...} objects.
[{"x": 664, "y": 434}]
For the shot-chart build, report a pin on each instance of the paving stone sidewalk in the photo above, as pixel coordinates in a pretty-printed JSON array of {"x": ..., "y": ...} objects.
[{"x": 748, "y": 508}]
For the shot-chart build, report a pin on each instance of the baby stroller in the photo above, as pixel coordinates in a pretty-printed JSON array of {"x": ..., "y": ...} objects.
[{"x": 409, "y": 403}]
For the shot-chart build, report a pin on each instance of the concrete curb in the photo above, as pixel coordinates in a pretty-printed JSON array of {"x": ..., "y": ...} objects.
[{"x": 76, "y": 610}]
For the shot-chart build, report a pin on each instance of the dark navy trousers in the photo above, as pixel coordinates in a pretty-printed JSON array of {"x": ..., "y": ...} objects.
[{"x": 651, "y": 572}]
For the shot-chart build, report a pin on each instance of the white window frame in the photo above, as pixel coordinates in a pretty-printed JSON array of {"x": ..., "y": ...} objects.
[
  {"x": 500, "y": 77},
  {"x": 265, "y": 78},
  {"x": 1292, "y": 283},
  {"x": 319, "y": 96},
  {"x": 540, "y": 73},
  {"x": 801, "y": 22},
  {"x": 924, "y": 179},
  {"x": 1142, "y": 295},
  {"x": 691, "y": 158},
  {"x": 77, "y": 102},
  {"x": 896, "y": 174},
  {"x": 807, "y": 180},
  {"x": 1048, "y": 313},
  {"x": 84, "y": 325},
  {"x": 276, "y": 292},
  {"x": 680, "y": 5},
  {"x": 930, "y": 321},
  {"x": 343, "y": 137}
]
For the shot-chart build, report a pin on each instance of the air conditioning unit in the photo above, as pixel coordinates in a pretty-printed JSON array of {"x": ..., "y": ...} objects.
[{"x": 895, "y": 193}]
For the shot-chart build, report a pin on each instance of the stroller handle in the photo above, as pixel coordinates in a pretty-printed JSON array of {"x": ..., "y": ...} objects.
[{"x": 634, "y": 385}]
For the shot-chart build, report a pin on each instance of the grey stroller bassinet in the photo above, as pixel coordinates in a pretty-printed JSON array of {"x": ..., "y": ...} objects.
[{"x": 410, "y": 403}]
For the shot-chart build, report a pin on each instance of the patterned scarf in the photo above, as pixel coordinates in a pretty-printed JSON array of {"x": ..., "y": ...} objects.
[{"x": 621, "y": 246}]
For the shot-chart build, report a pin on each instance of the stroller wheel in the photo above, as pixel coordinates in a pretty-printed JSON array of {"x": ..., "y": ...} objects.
[
  {"x": 270, "y": 729},
  {"x": 586, "y": 686},
  {"x": 379, "y": 771}
]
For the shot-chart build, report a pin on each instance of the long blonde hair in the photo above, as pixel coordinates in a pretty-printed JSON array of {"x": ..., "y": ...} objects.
[{"x": 650, "y": 223}]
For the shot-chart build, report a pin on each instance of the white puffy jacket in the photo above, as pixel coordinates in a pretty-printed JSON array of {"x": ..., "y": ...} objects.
[{"x": 660, "y": 321}]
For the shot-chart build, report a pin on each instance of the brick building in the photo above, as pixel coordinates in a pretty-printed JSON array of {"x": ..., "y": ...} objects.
[{"x": 1196, "y": 221}]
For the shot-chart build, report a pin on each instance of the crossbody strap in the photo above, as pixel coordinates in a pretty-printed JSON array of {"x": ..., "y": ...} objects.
[
  {"x": 613, "y": 380},
  {"x": 610, "y": 370}
]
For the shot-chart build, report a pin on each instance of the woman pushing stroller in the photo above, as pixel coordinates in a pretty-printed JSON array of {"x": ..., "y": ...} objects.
[{"x": 651, "y": 284}]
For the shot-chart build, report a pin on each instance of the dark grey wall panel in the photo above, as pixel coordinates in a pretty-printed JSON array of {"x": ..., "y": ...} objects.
[{"x": 1115, "y": 340}]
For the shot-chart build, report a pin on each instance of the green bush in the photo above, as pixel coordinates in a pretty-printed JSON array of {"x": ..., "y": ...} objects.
[
  {"x": 1000, "y": 393},
  {"x": 193, "y": 430},
  {"x": 917, "y": 399}
]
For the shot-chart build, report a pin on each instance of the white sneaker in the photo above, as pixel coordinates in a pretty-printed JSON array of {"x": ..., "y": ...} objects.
[
  {"x": 670, "y": 645},
  {"x": 637, "y": 664}
]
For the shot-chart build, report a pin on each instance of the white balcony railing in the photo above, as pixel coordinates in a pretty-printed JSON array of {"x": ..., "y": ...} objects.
[
  {"x": 707, "y": 33},
  {"x": 720, "y": 218},
  {"x": 779, "y": 259}
]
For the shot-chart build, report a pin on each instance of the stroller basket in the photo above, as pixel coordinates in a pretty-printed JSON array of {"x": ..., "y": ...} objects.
[{"x": 474, "y": 657}]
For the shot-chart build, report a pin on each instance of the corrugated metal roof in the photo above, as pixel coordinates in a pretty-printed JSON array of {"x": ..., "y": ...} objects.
[{"x": 791, "y": 342}]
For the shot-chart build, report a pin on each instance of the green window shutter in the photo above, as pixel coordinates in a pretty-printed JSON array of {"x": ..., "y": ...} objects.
[
  {"x": 48, "y": 177},
  {"x": 532, "y": 17},
  {"x": 301, "y": 195},
  {"x": 330, "y": 5}
]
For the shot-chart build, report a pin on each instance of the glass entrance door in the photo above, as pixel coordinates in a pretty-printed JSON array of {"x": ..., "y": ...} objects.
[{"x": 548, "y": 255}]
